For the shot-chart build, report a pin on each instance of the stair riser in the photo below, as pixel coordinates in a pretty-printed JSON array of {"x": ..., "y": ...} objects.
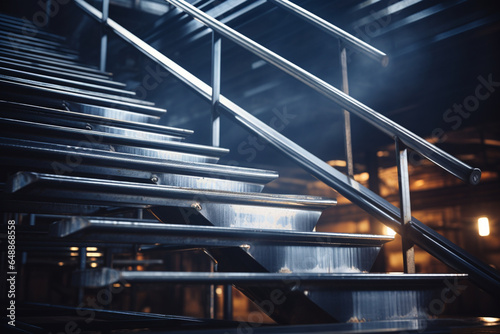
[
  {"x": 244, "y": 216},
  {"x": 314, "y": 259},
  {"x": 348, "y": 305}
]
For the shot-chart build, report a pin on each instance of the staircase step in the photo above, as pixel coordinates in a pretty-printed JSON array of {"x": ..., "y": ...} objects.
[
  {"x": 13, "y": 25},
  {"x": 37, "y": 67},
  {"x": 18, "y": 86},
  {"x": 110, "y": 112},
  {"x": 63, "y": 82},
  {"x": 15, "y": 37},
  {"x": 348, "y": 297},
  {"x": 107, "y": 230},
  {"x": 63, "y": 64},
  {"x": 41, "y": 51},
  {"x": 109, "y": 141},
  {"x": 63, "y": 89},
  {"x": 79, "y": 190},
  {"x": 369, "y": 282},
  {"x": 27, "y": 112},
  {"x": 43, "y": 157}
]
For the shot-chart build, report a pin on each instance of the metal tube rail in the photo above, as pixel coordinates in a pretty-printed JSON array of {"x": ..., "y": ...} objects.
[
  {"x": 429, "y": 240},
  {"x": 411, "y": 140},
  {"x": 354, "y": 42}
]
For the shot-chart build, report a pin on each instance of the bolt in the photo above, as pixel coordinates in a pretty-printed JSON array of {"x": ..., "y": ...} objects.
[
  {"x": 196, "y": 206},
  {"x": 154, "y": 178}
]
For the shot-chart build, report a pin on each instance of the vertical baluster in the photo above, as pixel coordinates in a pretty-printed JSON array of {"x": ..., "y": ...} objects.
[
  {"x": 48, "y": 12},
  {"x": 216, "y": 74},
  {"x": 347, "y": 116},
  {"x": 405, "y": 207},
  {"x": 104, "y": 35},
  {"x": 82, "y": 265},
  {"x": 228, "y": 302}
]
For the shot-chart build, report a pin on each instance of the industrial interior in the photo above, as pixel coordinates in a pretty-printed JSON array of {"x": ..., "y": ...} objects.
[{"x": 250, "y": 166}]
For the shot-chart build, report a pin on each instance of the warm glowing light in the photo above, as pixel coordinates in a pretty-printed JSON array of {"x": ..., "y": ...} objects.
[
  {"x": 363, "y": 177},
  {"x": 60, "y": 264},
  {"x": 490, "y": 319},
  {"x": 337, "y": 163},
  {"x": 381, "y": 154},
  {"x": 116, "y": 285},
  {"x": 483, "y": 226},
  {"x": 93, "y": 264},
  {"x": 94, "y": 254},
  {"x": 419, "y": 183},
  {"x": 74, "y": 254},
  {"x": 218, "y": 290},
  {"x": 74, "y": 249},
  {"x": 91, "y": 249},
  {"x": 389, "y": 231}
]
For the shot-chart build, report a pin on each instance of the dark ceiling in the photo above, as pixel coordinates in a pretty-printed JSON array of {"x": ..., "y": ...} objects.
[{"x": 440, "y": 51}]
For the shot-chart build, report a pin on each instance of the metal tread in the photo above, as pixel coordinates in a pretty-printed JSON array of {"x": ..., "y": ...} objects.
[
  {"x": 107, "y": 230},
  {"x": 106, "y": 276},
  {"x": 52, "y": 54},
  {"x": 56, "y": 80},
  {"x": 90, "y": 137},
  {"x": 75, "y": 74},
  {"x": 26, "y": 38},
  {"x": 15, "y": 26},
  {"x": 19, "y": 41},
  {"x": 119, "y": 162},
  {"x": 78, "y": 97},
  {"x": 51, "y": 113},
  {"x": 63, "y": 64},
  {"x": 84, "y": 190},
  {"x": 80, "y": 91}
]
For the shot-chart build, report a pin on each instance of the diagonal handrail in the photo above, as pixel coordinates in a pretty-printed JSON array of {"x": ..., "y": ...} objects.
[
  {"x": 391, "y": 128},
  {"x": 354, "y": 42},
  {"x": 481, "y": 274}
]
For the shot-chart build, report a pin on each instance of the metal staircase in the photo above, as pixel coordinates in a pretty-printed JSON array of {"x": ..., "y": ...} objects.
[{"x": 81, "y": 150}]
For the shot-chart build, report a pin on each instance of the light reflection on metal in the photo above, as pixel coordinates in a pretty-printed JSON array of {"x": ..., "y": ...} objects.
[{"x": 389, "y": 231}]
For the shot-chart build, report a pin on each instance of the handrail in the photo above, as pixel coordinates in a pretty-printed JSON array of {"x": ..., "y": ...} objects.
[
  {"x": 482, "y": 275},
  {"x": 335, "y": 31},
  {"x": 411, "y": 140}
]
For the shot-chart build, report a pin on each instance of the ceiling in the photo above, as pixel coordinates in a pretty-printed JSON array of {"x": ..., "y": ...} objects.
[{"x": 439, "y": 51}]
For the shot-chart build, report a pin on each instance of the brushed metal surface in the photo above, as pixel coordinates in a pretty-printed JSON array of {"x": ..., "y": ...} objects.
[
  {"x": 48, "y": 187},
  {"x": 38, "y": 156},
  {"x": 314, "y": 259},
  {"x": 253, "y": 216}
]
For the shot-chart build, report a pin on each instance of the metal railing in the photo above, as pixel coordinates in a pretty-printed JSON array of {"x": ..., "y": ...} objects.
[{"x": 412, "y": 230}]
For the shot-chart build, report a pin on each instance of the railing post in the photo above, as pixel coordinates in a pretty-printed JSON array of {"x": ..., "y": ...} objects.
[
  {"x": 405, "y": 207},
  {"x": 82, "y": 257},
  {"x": 216, "y": 74},
  {"x": 228, "y": 302},
  {"x": 347, "y": 115},
  {"x": 104, "y": 35},
  {"x": 48, "y": 12}
]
